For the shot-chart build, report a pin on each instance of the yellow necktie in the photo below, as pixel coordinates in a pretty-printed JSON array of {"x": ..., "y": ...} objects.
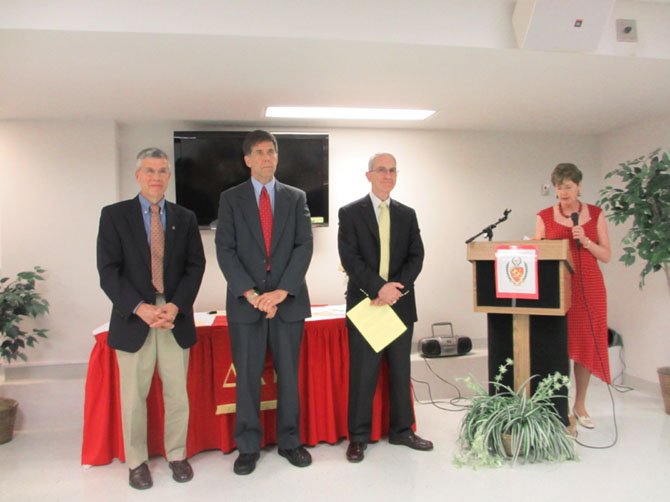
[{"x": 384, "y": 239}]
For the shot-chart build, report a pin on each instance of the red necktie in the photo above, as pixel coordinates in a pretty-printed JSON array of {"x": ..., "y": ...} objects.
[
  {"x": 157, "y": 248},
  {"x": 265, "y": 209}
]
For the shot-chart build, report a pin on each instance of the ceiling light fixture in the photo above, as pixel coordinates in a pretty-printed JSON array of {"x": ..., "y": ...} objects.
[{"x": 309, "y": 112}]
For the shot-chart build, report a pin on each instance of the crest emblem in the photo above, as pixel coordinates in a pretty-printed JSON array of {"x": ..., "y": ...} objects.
[{"x": 516, "y": 270}]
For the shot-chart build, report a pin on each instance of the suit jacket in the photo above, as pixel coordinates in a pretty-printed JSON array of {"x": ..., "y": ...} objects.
[
  {"x": 124, "y": 265},
  {"x": 359, "y": 248},
  {"x": 240, "y": 249}
]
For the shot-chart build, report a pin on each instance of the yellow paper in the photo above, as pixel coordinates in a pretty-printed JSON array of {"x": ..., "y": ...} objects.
[{"x": 379, "y": 325}]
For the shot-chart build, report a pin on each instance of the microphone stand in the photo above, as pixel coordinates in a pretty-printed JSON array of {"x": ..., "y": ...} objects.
[{"x": 488, "y": 231}]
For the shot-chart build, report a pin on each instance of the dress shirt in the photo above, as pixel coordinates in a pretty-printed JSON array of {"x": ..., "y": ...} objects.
[
  {"x": 375, "y": 204},
  {"x": 146, "y": 215},
  {"x": 270, "y": 187}
]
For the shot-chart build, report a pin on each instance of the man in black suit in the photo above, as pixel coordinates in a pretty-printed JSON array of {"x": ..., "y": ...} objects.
[
  {"x": 151, "y": 263},
  {"x": 382, "y": 255},
  {"x": 264, "y": 246}
]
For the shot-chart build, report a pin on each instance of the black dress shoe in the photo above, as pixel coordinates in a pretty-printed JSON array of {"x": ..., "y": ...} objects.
[
  {"x": 181, "y": 471},
  {"x": 246, "y": 463},
  {"x": 355, "y": 451},
  {"x": 299, "y": 456},
  {"x": 140, "y": 477},
  {"x": 412, "y": 441}
]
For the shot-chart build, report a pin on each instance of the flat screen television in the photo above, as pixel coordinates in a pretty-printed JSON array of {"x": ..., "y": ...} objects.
[{"x": 209, "y": 162}]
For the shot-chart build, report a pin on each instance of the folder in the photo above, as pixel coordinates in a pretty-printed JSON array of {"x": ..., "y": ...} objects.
[{"x": 379, "y": 325}]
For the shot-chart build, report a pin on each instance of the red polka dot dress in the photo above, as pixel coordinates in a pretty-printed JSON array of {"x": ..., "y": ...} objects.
[{"x": 586, "y": 346}]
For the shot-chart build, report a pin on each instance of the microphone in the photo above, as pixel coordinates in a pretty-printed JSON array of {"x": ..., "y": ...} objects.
[{"x": 575, "y": 221}]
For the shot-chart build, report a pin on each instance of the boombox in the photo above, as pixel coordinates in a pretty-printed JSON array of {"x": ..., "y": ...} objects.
[{"x": 444, "y": 346}]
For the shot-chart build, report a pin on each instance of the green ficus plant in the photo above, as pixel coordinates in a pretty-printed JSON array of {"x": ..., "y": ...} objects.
[
  {"x": 642, "y": 196},
  {"x": 18, "y": 300}
]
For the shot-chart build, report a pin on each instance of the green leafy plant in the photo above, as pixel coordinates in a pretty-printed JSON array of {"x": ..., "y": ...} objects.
[
  {"x": 643, "y": 196},
  {"x": 536, "y": 430},
  {"x": 18, "y": 300}
]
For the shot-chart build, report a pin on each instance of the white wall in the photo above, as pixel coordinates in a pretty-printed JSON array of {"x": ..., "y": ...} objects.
[
  {"x": 459, "y": 182},
  {"x": 641, "y": 316},
  {"x": 55, "y": 176}
]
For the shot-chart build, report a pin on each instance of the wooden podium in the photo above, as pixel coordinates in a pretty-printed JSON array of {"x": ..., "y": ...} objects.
[{"x": 542, "y": 319}]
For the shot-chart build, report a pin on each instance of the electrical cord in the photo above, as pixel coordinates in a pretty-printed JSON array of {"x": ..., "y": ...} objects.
[
  {"x": 620, "y": 388},
  {"x": 458, "y": 391},
  {"x": 434, "y": 402},
  {"x": 452, "y": 402}
]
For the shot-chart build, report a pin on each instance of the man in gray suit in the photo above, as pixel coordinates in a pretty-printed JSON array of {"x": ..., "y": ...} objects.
[{"x": 264, "y": 246}]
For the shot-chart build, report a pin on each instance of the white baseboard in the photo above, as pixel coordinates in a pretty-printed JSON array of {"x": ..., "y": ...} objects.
[
  {"x": 641, "y": 385},
  {"x": 44, "y": 371}
]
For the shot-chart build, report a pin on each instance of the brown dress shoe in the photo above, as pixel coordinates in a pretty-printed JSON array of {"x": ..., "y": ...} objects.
[
  {"x": 299, "y": 456},
  {"x": 140, "y": 477},
  {"x": 355, "y": 451},
  {"x": 413, "y": 441},
  {"x": 181, "y": 471}
]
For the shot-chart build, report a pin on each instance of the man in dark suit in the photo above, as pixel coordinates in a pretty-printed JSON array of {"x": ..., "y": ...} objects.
[
  {"x": 264, "y": 246},
  {"x": 382, "y": 253},
  {"x": 151, "y": 263}
]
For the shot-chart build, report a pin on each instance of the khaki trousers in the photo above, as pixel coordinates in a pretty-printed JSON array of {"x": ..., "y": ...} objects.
[{"x": 136, "y": 371}]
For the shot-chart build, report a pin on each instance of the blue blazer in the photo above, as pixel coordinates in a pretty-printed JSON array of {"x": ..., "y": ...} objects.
[{"x": 124, "y": 265}]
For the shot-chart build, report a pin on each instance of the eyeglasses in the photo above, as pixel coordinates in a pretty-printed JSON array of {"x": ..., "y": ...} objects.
[
  {"x": 150, "y": 171},
  {"x": 383, "y": 170}
]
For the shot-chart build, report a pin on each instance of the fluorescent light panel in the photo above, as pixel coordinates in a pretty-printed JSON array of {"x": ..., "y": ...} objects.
[{"x": 308, "y": 112}]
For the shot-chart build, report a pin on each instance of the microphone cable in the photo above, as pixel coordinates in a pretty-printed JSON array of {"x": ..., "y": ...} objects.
[
  {"x": 575, "y": 222},
  {"x": 600, "y": 359}
]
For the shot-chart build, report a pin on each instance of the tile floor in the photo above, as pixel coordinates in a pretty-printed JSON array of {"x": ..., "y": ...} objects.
[{"x": 42, "y": 462}]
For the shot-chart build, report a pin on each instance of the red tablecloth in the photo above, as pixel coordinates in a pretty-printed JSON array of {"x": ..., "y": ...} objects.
[{"x": 324, "y": 386}]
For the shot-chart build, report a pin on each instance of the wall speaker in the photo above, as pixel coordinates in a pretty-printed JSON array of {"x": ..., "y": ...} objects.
[{"x": 561, "y": 25}]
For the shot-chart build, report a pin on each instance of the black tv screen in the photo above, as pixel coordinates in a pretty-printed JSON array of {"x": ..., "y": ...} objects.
[{"x": 209, "y": 162}]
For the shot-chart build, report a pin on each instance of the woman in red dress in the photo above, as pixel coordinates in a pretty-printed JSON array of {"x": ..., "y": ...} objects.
[{"x": 589, "y": 243}]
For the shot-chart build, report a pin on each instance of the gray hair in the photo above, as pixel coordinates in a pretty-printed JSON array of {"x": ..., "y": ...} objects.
[
  {"x": 377, "y": 155},
  {"x": 151, "y": 153}
]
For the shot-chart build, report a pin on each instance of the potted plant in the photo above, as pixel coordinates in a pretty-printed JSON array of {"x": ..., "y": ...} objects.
[
  {"x": 18, "y": 300},
  {"x": 643, "y": 197},
  {"x": 530, "y": 426}
]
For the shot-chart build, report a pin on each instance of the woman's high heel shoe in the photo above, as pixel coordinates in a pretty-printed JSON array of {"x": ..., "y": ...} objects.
[{"x": 584, "y": 421}]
